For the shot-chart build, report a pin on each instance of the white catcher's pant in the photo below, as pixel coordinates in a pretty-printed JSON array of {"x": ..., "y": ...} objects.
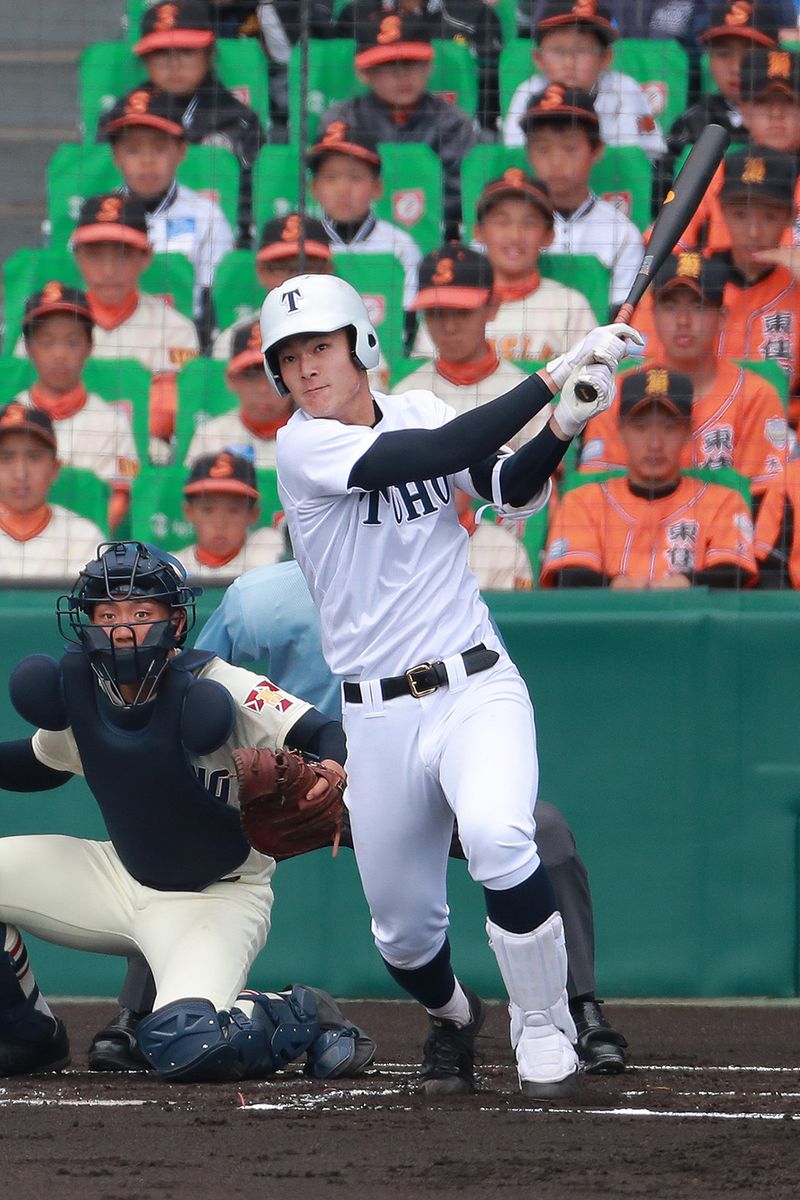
[
  {"x": 469, "y": 750},
  {"x": 76, "y": 893}
]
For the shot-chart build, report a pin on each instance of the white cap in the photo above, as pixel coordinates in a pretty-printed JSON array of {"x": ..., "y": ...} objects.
[{"x": 315, "y": 304}]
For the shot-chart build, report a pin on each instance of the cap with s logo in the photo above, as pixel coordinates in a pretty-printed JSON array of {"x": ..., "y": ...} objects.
[
  {"x": 177, "y": 25},
  {"x": 246, "y": 350},
  {"x": 19, "y": 418},
  {"x": 383, "y": 37},
  {"x": 455, "y": 276},
  {"x": 754, "y": 21},
  {"x": 567, "y": 106},
  {"x": 285, "y": 237},
  {"x": 111, "y": 217},
  {"x": 56, "y": 297},
  {"x": 586, "y": 14},
  {"x": 225, "y": 473},
  {"x": 341, "y": 138},
  {"x": 144, "y": 106},
  {"x": 515, "y": 183}
]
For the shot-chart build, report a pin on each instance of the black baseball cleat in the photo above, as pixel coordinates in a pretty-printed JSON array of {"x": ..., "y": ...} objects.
[
  {"x": 600, "y": 1048},
  {"x": 36, "y": 1058},
  {"x": 114, "y": 1047},
  {"x": 448, "y": 1056}
]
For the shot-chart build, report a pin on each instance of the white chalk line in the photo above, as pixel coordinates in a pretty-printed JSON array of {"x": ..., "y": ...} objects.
[{"x": 63, "y": 1102}]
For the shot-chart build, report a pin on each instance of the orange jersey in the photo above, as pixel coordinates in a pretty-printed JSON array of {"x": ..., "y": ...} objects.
[
  {"x": 606, "y": 528},
  {"x": 770, "y": 520},
  {"x": 707, "y": 227},
  {"x": 738, "y": 423}
]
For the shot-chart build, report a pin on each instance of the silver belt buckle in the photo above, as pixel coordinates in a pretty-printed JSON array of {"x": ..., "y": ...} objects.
[{"x": 416, "y": 691}]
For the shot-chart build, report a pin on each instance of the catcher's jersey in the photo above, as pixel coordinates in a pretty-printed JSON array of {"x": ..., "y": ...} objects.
[
  {"x": 265, "y": 716},
  {"x": 387, "y": 569},
  {"x": 98, "y": 437},
  {"x": 738, "y": 423},
  {"x": 61, "y": 548},
  {"x": 606, "y": 528}
]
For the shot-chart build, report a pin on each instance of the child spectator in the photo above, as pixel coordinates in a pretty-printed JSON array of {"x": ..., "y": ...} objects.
[
  {"x": 497, "y": 558},
  {"x": 394, "y": 59},
  {"x": 574, "y": 48},
  {"x": 176, "y": 47},
  {"x": 37, "y": 540},
  {"x": 221, "y": 502},
  {"x": 653, "y": 527},
  {"x": 563, "y": 144},
  {"x": 738, "y": 419},
  {"x": 57, "y": 327},
  {"x": 346, "y": 169},
  {"x": 777, "y": 536},
  {"x": 250, "y": 429},
  {"x": 148, "y": 143},
  {"x": 455, "y": 294}
]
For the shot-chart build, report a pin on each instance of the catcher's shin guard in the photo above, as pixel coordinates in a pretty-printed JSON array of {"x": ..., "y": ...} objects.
[
  {"x": 534, "y": 970},
  {"x": 283, "y": 1026},
  {"x": 188, "y": 1040},
  {"x": 342, "y": 1048}
]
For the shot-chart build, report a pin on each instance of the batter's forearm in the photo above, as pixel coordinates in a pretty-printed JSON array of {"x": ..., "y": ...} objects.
[
  {"x": 21, "y": 771},
  {"x": 524, "y": 473}
]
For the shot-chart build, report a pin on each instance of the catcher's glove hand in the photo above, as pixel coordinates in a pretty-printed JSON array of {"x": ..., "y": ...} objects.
[{"x": 289, "y": 804}]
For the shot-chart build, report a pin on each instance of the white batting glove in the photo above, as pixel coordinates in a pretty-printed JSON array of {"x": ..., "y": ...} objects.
[
  {"x": 608, "y": 344},
  {"x": 571, "y": 413}
]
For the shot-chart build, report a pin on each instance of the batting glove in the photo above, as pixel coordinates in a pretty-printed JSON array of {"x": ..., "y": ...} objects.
[
  {"x": 571, "y": 413},
  {"x": 609, "y": 344}
]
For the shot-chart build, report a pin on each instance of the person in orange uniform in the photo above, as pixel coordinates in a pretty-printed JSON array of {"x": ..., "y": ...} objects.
[
  {"x": 653, "y": 527},
  {"x": 737, "y": 417},
  {"x": 777, "y": 537}
]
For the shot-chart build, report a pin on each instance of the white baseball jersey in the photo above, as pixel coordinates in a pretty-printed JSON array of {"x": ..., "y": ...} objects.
[
  {"x": 192, "y": 224},
  {"x": 498, "y": 559},
  {"x": 626, "y": 118},
  {"x": 261, "y": 548},
  {"x": 387, "y": 569},
  {"x": 463, "y": 397},
  {"x": 60, "y": 550},
  {"x": 228, "y": 432},
  {"x": 264, "y": 716},
  {"x": 381, "y": 237},
  {"x": 599, "y": 228},
  {"x": 97, "y": 437}
]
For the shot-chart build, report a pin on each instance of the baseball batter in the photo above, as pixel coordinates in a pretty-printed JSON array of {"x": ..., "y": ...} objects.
[
  {"x": 438, "y": 720},
  {"x": 153, "y": 732}
]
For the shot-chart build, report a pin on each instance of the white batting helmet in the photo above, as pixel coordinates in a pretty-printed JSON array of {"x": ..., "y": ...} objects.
[{"x": 315, "y": 304}]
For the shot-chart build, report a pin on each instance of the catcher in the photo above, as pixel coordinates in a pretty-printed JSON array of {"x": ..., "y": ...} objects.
[{"x": 163, "y": 737}]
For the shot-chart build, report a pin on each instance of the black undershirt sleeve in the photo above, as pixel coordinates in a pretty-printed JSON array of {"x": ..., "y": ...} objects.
[
  {"x": 318, "y": 735},
  {"x": 403, "y": 455},
  {"x": 21, "y": 771}
]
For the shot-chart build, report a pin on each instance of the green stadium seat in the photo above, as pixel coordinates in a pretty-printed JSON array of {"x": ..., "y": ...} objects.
[
  {"x": 75, "y": 172},
  {"x": 481, "y": 164},
  {"x": 202, "y": 393},
  {"x": 412, "y": 189},
  {"x": 507, "y": 14},
  {"x": 332, "y": 77},
  {"x": 84, "y": 493},
  {"x": 157, "y": 506},
  {"x": 235, "y": 290},
  {"x": 170, "y": 276},
  {"x": 583, "y": 272},
  {"x": 378, "y": 278},
  {"x": 16, "y": 374}
]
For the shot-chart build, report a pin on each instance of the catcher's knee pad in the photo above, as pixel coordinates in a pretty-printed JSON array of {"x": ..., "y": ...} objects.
[
  {"x": 342, "y": 1048},
  {"x": 189, "y": 1040},
  {"x": 282, "y": 1027}
]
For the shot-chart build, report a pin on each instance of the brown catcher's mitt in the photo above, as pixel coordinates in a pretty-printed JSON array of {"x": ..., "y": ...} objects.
[{"x": 277, "y": 817}]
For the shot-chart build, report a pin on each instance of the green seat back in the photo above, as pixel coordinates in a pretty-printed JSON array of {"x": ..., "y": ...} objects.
[
  {"x": 507, "y": 14},
  {"x": 412, "y": 189},
  {"x": 235, "y": 290},
  {"x": 771, "y": 371},
  {"x": 332, "y": 77},
  {"x": 378, "y": 278},
  {"x": 16, "y": 374},
  {"x": 202, "y": 393},
  {"x": 84, "y": 493},
  {"x": 481, "y": 164},
  {"x": 77, "y": 171},
  {"x": 157, "y": 506},
  {"x": 170, "y": 276},
  {"x": 516, "y": 65},
  {"x": 583, "y": 272},
  {"x": 107, "y": 70}
]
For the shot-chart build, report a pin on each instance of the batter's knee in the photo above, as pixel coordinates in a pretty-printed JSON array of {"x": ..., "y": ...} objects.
[
  {"x": 499, "y": 856},
  {"x": 553, "y": 835}
]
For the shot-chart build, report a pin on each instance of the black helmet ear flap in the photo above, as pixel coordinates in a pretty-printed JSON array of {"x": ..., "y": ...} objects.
[{"x": 37, "y": 692}]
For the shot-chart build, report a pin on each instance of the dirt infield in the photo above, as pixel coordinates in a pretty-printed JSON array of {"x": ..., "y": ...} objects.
[{"x": 709, "y": 1109}]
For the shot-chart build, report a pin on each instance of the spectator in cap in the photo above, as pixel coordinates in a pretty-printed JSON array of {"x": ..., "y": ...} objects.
[
  {"x": 563, "y": 144},
  {"x": 346, "y": 181},
  {"x": 573, "y": 47},
  {"x": 737, "y": 417},
  {"x": 176, "y": 46},
  {"x": 57, "y": 329},
  {"x": 652, "y": 527},
  {"x": 221, "y": 502},
  {"x": 251, "y": 428},
  {"x": 38, "y": 540},
  {"x": 473, "y": 23},
  {"x": 148, "y": 144},
  {"x": 394, "y": 59}
]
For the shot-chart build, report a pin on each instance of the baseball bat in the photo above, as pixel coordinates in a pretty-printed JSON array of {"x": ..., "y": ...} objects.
[{"x": 674, "y": 215}]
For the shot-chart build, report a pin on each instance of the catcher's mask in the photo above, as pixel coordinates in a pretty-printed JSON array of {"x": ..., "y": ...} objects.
[{"x": 128, "y": 571}]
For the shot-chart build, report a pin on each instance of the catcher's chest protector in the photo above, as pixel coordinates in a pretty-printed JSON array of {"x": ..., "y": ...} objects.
[{"x": 170, "y": 833}]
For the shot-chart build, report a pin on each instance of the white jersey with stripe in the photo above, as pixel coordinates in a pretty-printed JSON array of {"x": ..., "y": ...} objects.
[{"x": 98, "y": 437}]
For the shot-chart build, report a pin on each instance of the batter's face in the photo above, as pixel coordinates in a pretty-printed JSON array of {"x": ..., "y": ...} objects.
[
  {"x": 774, "y": 121},
  {"x": 28, "y": 468},
  {"x": 148, "y": 159},
  {"x": 58, "y": 347},
  {"x": 574, "y": 57},
  {"x": 725, "y": 58},
  {"x": 133, "y": 618},
  {"x": 754, "y": 224},
  {"x": 111, "y": 270},
  {"x": 459, "y": 334},
  {"x": 272, "y": 274},
  {"x": 563, "y": 156},
  {"x": 345, "y": 188},
  {"x": 514, "y": 231},
  {"x": 258, "y": 399},
  {"x": 179, "y": 71},
  {"x": 398, "y": 84},
  {"x": 654, "y": 439},
  {"x": 688, "y": 329},
  {"x": 221, "y": 521},
  {"x": 323, "y": 380}
]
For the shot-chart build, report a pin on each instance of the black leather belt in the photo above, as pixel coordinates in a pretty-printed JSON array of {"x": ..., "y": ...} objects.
[{"x": 425, "y": 678}]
